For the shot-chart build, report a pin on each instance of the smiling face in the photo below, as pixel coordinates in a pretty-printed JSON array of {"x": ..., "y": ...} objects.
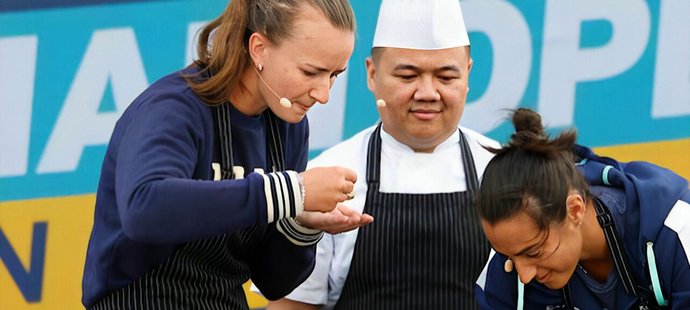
[
  {"x": 549, "y": 256},
  {"x": 303, "y": 66},
  {"x": 424, "y": 90}
]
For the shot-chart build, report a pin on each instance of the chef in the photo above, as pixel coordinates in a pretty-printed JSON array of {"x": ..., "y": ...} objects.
[{"x": 418, "y": 172}]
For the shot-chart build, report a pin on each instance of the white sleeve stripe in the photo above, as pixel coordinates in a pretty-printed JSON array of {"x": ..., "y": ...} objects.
[
  {"x": 277, "y": 214},
  {"x": 288, "y": 195},
  {"x": 677, "y": 220},
  {"x": 283, "y": 195},
  {"x": 289, "y": 229},
  {"x": 297, "y": 192},
  {"x": 279, "y": 195},
  {"x": 269, "y": 199},
  {"x": 302, "y": 232},
  {"x": 301, "y": 229},
  {"x": 481, "y": 281},
  {"x": 285, "y": 227}
]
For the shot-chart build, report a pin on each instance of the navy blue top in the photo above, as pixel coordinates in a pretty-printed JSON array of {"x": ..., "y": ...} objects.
[
  {"x": 639, "y": 197},
  {"x": 156, "y": 192}
]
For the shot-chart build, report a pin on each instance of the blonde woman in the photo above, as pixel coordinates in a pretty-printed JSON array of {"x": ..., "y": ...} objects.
[{"x": 203, "y": 184}]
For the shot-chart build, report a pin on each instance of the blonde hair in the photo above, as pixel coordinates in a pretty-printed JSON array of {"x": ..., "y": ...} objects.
[{"x": 222, "y": 43}]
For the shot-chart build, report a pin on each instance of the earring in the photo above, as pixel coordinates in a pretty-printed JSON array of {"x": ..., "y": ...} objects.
[{"x": 261, "y": 67}]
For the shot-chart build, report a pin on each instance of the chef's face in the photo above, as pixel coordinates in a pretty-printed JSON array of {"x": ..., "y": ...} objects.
[{"x": 424, "y": 90}]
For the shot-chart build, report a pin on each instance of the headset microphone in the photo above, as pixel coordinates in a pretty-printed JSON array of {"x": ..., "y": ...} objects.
[{"x": 285, "y": 102}]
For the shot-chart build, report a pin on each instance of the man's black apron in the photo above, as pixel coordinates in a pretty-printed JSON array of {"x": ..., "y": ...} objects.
[
  {"x": 209, "y": 273},
  {"x": 425, "y": 251}
]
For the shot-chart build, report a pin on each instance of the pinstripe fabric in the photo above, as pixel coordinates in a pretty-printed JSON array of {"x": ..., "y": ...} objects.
[
  {"x": 425, "y": 250},
  {"x": 209, "y": 273},
  {"x": 205, "y": 274},
  {"x": 224, "y": 130}
]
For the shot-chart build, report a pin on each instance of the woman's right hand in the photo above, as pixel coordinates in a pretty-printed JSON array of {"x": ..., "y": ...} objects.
[
  {"x": 341, "y": 219},
  {"x": 325, "y": 187}
]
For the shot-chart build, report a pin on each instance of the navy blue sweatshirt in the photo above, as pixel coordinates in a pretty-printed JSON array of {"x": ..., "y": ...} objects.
[{"x": 157, "y": 193}]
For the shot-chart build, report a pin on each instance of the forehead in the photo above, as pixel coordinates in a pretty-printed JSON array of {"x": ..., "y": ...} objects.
[
  {"x": 311, "y": 24},
  {"x": 391, "y": 56},
  {"x": 512, "y": 235},
  {"x": 315, "y": 39}
]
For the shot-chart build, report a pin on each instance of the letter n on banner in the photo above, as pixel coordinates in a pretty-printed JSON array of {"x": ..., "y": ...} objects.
[{"x": 29, "y": 280}]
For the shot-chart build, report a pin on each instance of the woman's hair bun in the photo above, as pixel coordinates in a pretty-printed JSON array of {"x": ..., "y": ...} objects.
[
  {"x": 530, "y": 137},
  {"x": 527, "y": 120}
]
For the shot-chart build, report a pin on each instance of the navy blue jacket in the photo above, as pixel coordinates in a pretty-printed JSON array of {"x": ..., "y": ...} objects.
[{"x": 640, "y": 197}]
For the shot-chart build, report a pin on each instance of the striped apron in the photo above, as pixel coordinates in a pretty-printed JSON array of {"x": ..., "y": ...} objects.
[
  {"x": 208, "y": 273},
  {"x": 425, "y": 251}
]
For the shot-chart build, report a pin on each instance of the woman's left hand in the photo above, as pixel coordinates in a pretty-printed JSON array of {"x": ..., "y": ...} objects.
[{"x": 341, "y": 219}]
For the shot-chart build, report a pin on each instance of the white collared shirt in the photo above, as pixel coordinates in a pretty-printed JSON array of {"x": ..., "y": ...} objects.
[{"x": 402, "y": 171}]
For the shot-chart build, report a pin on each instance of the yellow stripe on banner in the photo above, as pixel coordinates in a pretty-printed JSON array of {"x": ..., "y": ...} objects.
[
  {"x": 673, "y": 154},
  {"x": 68, "y": 221}
]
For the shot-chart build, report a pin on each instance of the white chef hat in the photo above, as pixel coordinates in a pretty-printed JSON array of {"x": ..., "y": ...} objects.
[{"x": 420, "y": 24}]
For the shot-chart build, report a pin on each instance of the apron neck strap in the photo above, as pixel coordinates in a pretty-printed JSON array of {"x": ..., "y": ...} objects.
[
  {"x": 274, "y": 142},
  {"x": 374, "y": 161}
]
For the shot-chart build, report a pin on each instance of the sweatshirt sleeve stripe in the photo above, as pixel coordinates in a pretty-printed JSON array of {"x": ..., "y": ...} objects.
[
  {"x": 279, "y": 198},
  {"x": 297, "y": 234},
  {"x": 291, "y": 196},
  {"x": 294, "y": 192},
  {"x": 283, "y": 195},
  {"x": 287, "y": 199},
  {"x": 269, "y": 199},
  {"x": 277, "y": 210}
]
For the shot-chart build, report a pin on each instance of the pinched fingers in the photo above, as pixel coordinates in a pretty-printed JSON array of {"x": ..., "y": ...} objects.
[
  {"x": 348, "y": 186},
  {"x": 349, "y": 190},
  {"x": 325, "y": 187},
  {"x": 348, "y": 174}
]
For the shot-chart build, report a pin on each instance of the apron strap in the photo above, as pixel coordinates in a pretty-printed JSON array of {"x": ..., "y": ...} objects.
[
  {"x": 471, "y": 178},
  {"x": 224, "y": 130},
  {"x": 374, "y": 161},
  {"x": 374, "y": 157},
  {"x": 274, "y": 142}
]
